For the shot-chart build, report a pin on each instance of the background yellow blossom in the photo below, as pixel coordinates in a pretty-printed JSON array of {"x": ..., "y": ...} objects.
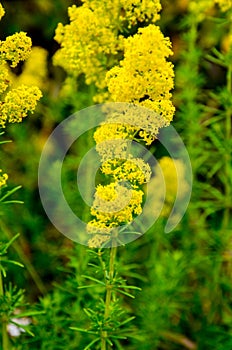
[{"x": 3, "y": 179}]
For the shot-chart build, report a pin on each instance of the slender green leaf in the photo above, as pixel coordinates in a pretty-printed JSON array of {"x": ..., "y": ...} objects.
[
  {"x": 92, "y": 343},
  {"x": 9, "y": 193},
  {"x": 93, "y": 279},
  {"x": 125, "y": 293},
  {"x": 12, "y": 262},
  {"x": 82, "y": 330}
]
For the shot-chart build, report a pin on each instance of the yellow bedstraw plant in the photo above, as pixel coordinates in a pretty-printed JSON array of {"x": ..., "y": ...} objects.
[
  {"x": 116, "y": 48},
  {"x": 124, "y": 63},
  {"x": 123, "y": 68}
]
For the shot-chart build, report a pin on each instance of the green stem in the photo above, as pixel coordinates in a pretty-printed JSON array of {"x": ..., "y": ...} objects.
[
  {"x": 109, "y": 286},
  {"x": 5, "y": 339}
]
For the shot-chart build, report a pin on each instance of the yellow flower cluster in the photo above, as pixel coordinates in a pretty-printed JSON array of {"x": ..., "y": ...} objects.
[
  {"x": 225, "y": 5},
  {"x": 127, "y": 12},
  {"x": 112, "y": 139},
  {"x": 85, "y": 44},
  {"x": 133, "y": 120},
  {"x": 17, "y": 103},
  {"x": 113, "y": 206},
  {"x": 144, "y": 76},
  {"x": 114, "y": 131},
  {"x": 31, "y": 75},
  {"x": 3, "y": 179},
  {"x": 15, "y": 48},
  {"x": 134, "y": 170},
  {"x": 91, "y": 42}
]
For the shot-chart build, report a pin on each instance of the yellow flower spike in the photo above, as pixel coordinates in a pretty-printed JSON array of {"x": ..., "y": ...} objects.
[
  {"x": 91, "y": 44},
  {"x": 15, "y": 48}
]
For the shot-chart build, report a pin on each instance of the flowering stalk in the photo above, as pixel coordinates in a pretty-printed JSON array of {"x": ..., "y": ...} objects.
[{"x": 132, "y": 69}]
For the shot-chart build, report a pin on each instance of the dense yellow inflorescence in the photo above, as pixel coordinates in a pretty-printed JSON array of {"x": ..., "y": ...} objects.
[
  {"x": 134, "y": 170},
  {"x": 85, "y": 44},
  {"x": 15, "y": 48},
  {"x": 17, "y": 102},
  {"x": 144, "y": 76},
  {"x": 113, "y": 206},
  {"x": 93, "y": 40},
  {"x": 113, "y": 131},
  {"x": 123, "y": 68}
]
